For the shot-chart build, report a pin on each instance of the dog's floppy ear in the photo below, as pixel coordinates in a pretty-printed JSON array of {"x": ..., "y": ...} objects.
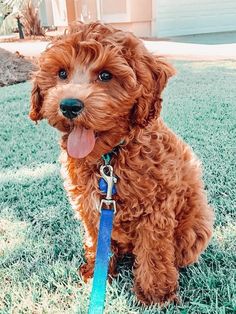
[
  {"x": 152, "y": 74},
  {"x": 35, "y": 102}
]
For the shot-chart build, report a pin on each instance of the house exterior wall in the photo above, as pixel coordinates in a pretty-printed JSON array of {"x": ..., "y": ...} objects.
[
  {"x": 59, "y": 9},
  {"x": 158, "y": 18},
  {"x": 141, "y": 29},
  {"x": 128, "y": 15},
  {"x": 113, "y": 7},
  {"x": 45, "y": 12},
  {"x": 88, "y": 10},
  {"x": 184, "y": 17},
  {"x": 124, "y": 14},
  {"x": 70, "y": 8}
]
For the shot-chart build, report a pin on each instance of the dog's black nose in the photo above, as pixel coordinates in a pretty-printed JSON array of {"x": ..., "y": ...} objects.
[{"x": 71, "y": 107}]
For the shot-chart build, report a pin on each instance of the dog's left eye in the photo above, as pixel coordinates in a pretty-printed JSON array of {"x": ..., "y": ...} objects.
[
  {"x": 62, "y": 74},
  {"x": 105, "y": 76}
]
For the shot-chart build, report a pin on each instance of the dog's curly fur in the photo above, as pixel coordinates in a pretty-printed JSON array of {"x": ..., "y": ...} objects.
[{"x": 162, "y": 216}]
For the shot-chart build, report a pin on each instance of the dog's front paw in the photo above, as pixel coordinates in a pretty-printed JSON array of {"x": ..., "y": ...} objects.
[{"x": 86, "y": 271}]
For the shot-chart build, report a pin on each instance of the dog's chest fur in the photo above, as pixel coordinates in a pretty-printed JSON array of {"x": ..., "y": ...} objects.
[{"x": 146, "y": 179}]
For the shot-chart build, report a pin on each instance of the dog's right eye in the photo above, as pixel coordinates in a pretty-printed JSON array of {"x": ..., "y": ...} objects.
[
  {"x": 62, "y": 74},
  {"x": 105, "y": 76}
]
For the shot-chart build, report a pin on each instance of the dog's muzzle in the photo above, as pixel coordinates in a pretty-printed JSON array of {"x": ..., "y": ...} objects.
[{"x": 71, "y": 107}]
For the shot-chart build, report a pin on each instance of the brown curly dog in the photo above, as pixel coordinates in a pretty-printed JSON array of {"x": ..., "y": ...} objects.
[{"x": 101, "y": 88}]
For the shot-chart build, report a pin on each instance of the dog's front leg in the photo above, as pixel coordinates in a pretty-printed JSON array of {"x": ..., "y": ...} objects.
[
  {"x": 90, "y": 248},
  {"x": 90, "y": 244},
  {"x": 155, "y": 276}
]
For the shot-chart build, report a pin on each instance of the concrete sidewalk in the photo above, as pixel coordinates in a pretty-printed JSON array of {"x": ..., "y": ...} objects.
[
  {"x": 30, "y": 48},
  {"x": 170, "y": 49},
  {"x": 189, "y": 51}
]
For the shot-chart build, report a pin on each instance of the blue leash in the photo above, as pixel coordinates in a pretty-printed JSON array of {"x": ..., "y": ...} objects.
[
  {"x": 98, "y": 293},
  {"x": 106, "y": 185}
]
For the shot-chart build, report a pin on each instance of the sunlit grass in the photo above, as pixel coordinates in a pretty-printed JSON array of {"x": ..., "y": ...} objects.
[
  {"x": 202, "y": 65},
  {"x": 41, "y": 242},
  {"x": 24, "y": 173},
  {"x": 11, "y": 235}
]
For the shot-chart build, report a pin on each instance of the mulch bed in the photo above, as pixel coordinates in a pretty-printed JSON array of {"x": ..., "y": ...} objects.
[{"x": 15, "y": 68}]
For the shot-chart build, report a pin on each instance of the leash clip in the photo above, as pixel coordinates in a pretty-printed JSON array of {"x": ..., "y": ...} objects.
[{"x": 106, "y": 172}]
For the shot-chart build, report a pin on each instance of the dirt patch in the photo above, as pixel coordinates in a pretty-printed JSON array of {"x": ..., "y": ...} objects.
[{"x": 14, "y": 68}]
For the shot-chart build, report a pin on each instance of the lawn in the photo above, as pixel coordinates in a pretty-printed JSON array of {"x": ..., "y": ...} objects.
[{"x": 40, "y": 241}]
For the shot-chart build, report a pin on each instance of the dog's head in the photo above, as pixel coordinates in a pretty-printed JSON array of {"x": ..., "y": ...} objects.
[{"x": 96, "y": 84}]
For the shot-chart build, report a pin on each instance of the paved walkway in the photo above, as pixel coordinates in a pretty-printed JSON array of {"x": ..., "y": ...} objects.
[
  {"x": 189, "y": 51},
  {"x": 30, "y": 48},
  {"x": 170, "y": 49}
]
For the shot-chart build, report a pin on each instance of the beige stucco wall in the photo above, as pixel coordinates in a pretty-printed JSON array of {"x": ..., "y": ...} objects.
[
  {"x": 70, "y": 7},
  {"x": 78, "y": 9},
  {"x": 140, "y": 29},
  {"x": 140, "y": 10},
  {"x": 88, "y": 10},
  {"x": 113, "y": 7},
  {"x": 130, "y": 15}
]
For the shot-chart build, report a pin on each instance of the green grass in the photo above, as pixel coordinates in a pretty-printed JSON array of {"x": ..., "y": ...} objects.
[{"x": 40, "y": 241}]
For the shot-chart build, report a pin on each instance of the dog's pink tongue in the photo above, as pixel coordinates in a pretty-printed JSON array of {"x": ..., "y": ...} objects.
[{"x": 81, "y": 142}]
